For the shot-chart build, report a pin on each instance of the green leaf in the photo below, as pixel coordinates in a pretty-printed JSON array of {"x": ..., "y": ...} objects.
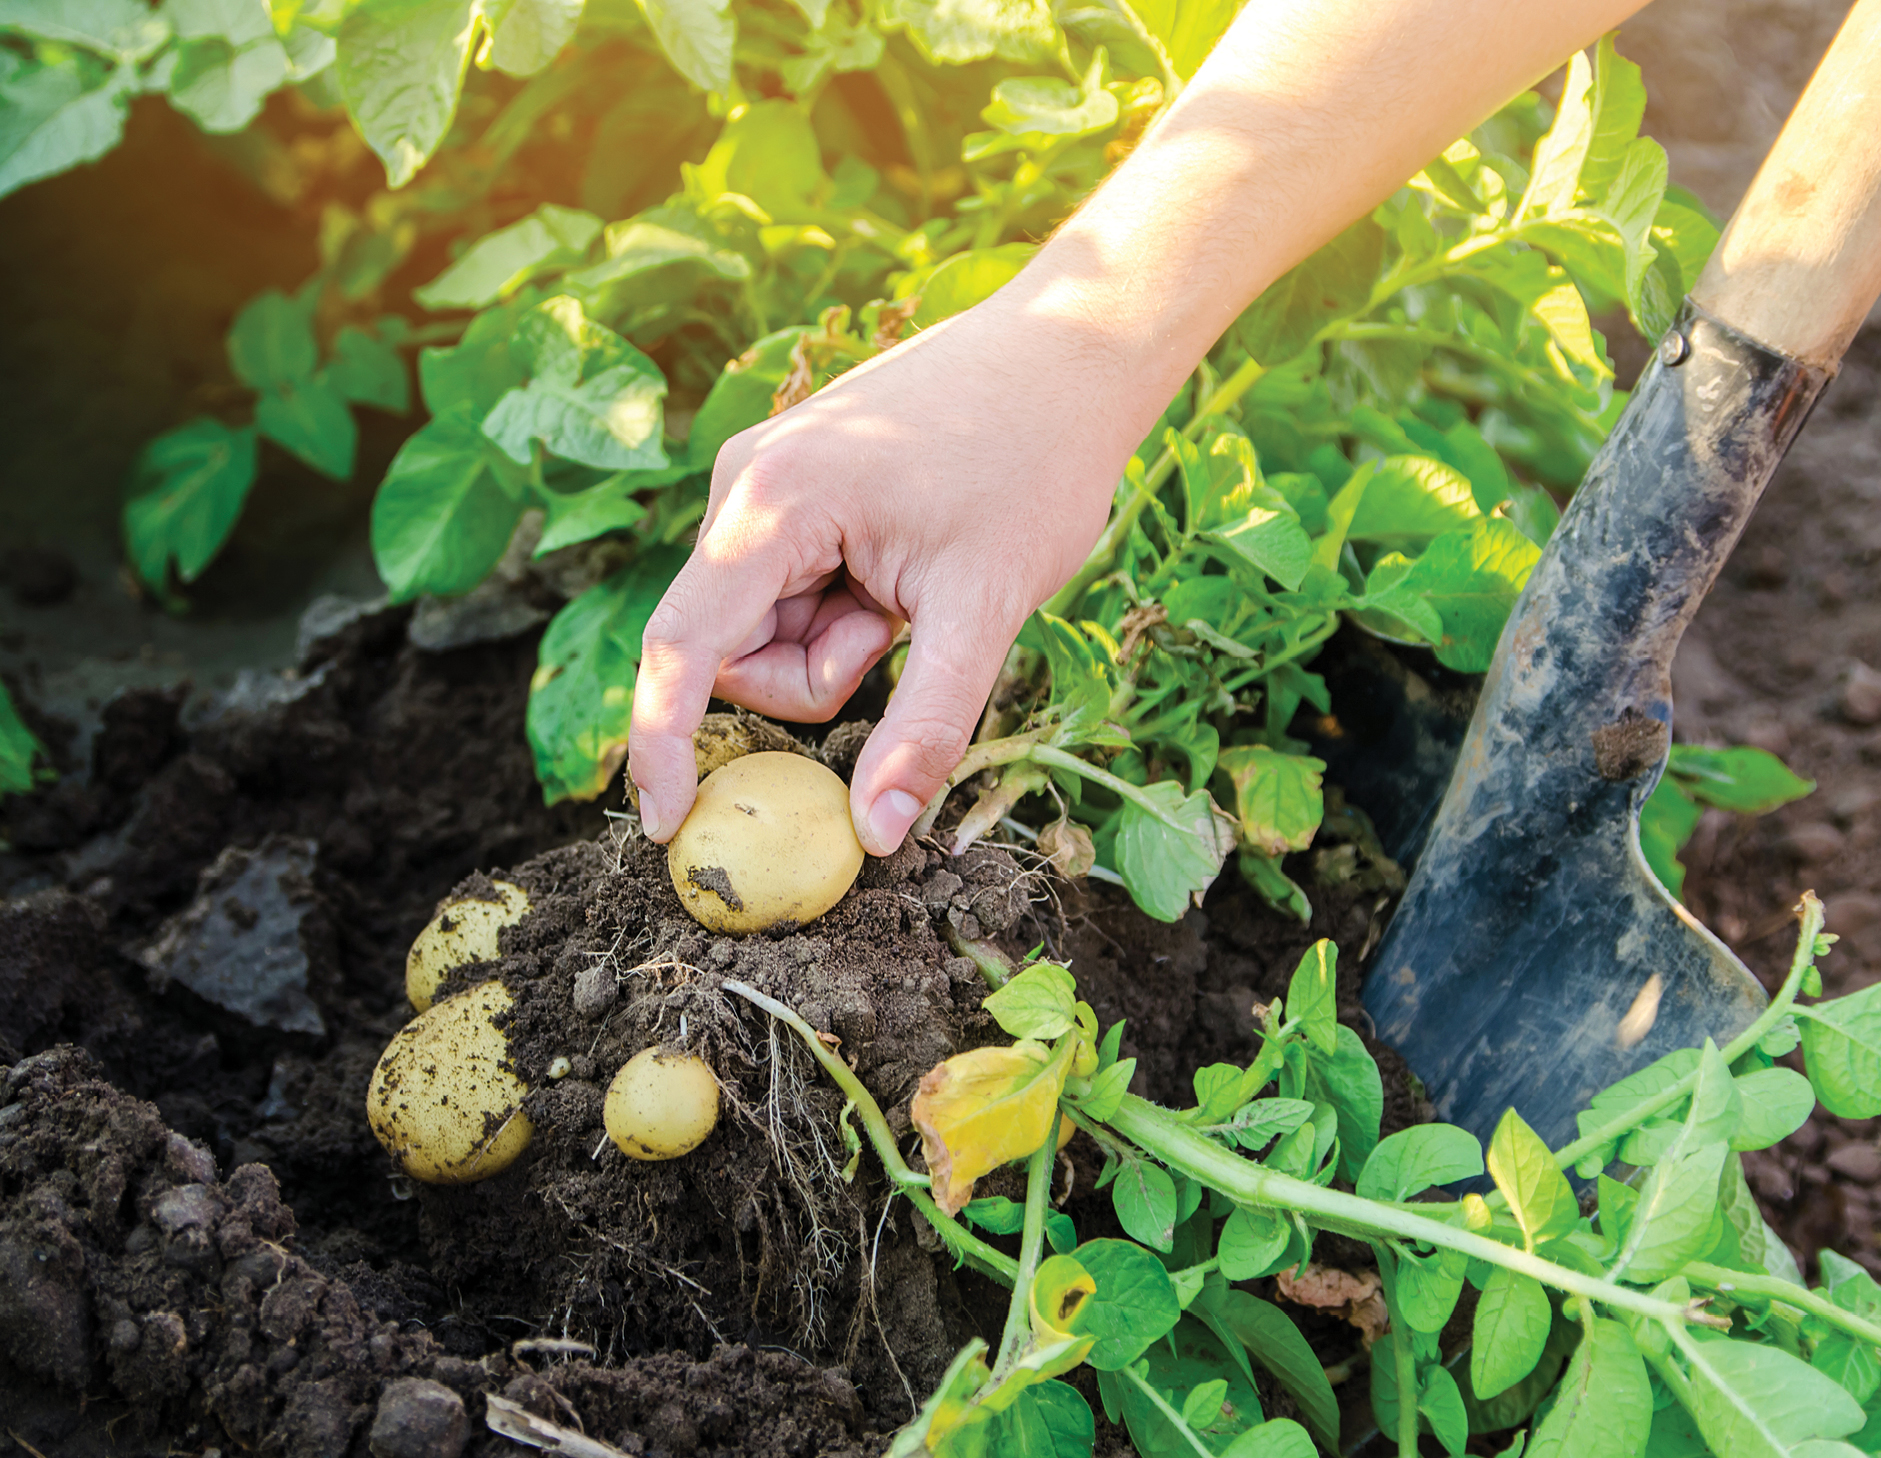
[
  {"x": 741, "y": 397},
  {"x": 581, "y": 516},
  {"x": 1279, "y": 891},
  {"x": 532, "y": 34},
  {"x": 1275, "y": 1342},
  {"x": 1679, "y": 1202},
  {"x": 1749, "y": 781},
  {"x": 968, "y": 278},
  {"x": 228, "y": 60},
  {"x": 1163, "y": 868},
  {"x": 1603, "y": 1407},
  {"x": 581, "y": 697},
  {"x": 1108, "y": 1086},
  {"x": 1349, "y": 1081},
  {"x": 1270, "y": 541},
  {"x": 441, "y": 520},
  {"x": 591, "y": 396},
  {"x": 1539, "y": 1196},
  {"x": 51, "y": 120},
  {"x": 1428, "y": 1288},
  {"x": 1276, "y": 1438},
  {"x": 400, "y": 67},
  {"x": 1776, "y": 1103},
  {"x": 1040, "y": 1002},
  {"x": 1134, "y": 1305},
  {"x": 368, "y": 371},
  {"x": 480, "y": 368},
  {"x": 1666, "y": 822},
  {"x": 1251, "y": 1243},
  {"x": 1145, "y": 1200},
  {"x": 499, "y": 263},
  {"x": 697, "y": 36},
  {"x": 1440, "y": 1403},
  {"x": 122, "y": 30},
  {"x": 1752, "y": 1401},
  {"x": 1410, "y": 499},
  {"x": 1312, "y": 995},
  {"x": 185, "y": 495},
  {"x": 1842, "y": 1049},
  {"x": 271, "y": 343},
  {"x": 957, "y": 31},
  {"x": 655, "y": 257},
  {"x": 1047, "y": 106},
  {"x": 1277, "y": 796},
  {"x": 768, "y": 152},
  {"x": 1414, "y": 1159},
  {"x": 1042, "y": 1420},
  {"x": 20, "y": 750},
  {"x": 310, "y": 419},
  {"x": 1186, "y": 29},
  {"x": 1472, "y": 576},
  {"x": 1510, "y": 1330},
  {"x": 1191, "y": 1356}
]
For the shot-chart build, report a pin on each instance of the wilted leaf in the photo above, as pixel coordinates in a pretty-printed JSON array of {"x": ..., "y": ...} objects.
[
  {"x": 1277, "y": 796},
  {"x": 985, "y": 1108}
]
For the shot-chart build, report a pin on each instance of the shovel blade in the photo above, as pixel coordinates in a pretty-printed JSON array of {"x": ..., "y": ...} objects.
[{"x": 1535, "y": 959}]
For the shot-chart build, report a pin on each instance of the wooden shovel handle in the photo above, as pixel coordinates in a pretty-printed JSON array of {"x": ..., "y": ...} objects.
[{"x": 1800, "y": 264}]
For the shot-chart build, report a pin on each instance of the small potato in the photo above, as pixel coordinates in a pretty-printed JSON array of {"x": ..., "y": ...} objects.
[
  {"x": 769, "y": 840},
  {"x": 661, "y": 1104},
  {"x": 462, "y": 932},
  {"x": 443, "y": 1100}
]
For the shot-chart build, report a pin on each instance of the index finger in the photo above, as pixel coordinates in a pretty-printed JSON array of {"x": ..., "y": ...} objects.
[{"x": 712, "y": 609}]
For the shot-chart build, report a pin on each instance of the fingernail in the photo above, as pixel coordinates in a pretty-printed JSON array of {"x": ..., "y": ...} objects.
[
  {"x": 649, "y": 816},
  {"x": 890, "y": 816}
]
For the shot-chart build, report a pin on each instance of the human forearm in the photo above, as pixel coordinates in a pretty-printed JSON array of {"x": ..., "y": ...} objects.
[{"x": 1307, "y": 115}]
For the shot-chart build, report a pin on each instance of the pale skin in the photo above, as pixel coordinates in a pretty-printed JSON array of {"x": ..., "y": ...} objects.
[{"x": 958, "y": 480}]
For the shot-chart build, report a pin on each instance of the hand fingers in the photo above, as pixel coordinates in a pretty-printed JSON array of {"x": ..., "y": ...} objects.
[
  {"x": 709, "y": 612},
  {"x": 808, "y": 682},
  {"x": 943, "y": 690}
]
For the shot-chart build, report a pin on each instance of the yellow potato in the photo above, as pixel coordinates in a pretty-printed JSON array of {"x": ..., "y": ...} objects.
[
  {"x": 661, "y": 1104},
  {"x": 769, "y": 840},
  {"x": 464, "y": 931},
  {"x": 443, "y": 1100}
]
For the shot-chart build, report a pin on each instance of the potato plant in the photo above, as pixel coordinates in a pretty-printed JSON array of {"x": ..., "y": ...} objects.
[
  {"x": 1669, "y": 1320},
  {"x": 747, "y": 199}
]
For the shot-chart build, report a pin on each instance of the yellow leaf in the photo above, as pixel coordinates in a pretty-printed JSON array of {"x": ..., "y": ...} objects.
[
  {"x": 1060, "y": 1288},
  {"x": 985, "y": 1108}
]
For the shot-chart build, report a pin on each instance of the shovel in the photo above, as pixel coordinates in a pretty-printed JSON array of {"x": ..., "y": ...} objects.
[{"x": 1535, "y": 959}]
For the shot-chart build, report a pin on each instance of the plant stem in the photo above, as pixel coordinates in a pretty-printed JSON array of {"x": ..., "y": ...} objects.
[
  {"x": 1130, "y": 1374},
  {"x": 992, "y": 967},
  {"x": 1161, "y": 1134},
  {"x": 1739, "y": 1284},
  {"x": 1404, "y": 1364},
  {"x": 961, "y": 1241},
  {"x": 982, "y": 756},
  {"x": 1038, "y": 1186},
  {"x": 1049, "y": 755},
  {"x": 1570, "y": 1155}
]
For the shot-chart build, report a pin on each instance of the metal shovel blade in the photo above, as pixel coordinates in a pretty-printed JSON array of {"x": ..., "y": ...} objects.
[{"x": 1535, "y": 959}]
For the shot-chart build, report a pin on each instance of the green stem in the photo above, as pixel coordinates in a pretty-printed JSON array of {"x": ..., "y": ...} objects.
[
  {"x": 991, "y": 966},
  {"x": 1740, "y": 1284},
  {"x": 1161, "y": 1134},
  {"x": 1103, "y": 556},
  {"x": 1038, "y": 1186},
  {"x": 1457, "y": 344},
  {"x": 1570, "y": 1155},
  {"x": 961, "y": 1241},
  {"x": 1130, "y": 1374},
  {"x": 1404, "y": 1364},
  {"x": 1071, "y": 764},
  {"x": 984, "y": 756}
]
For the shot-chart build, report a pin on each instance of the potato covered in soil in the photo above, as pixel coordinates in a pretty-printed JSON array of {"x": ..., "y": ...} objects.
[
  {"x": 662, "y": 1104},
  {"x": 443, "y": 1100},
  {"x": 769, "y": 841},
  {"x": 463, "y": 931}
]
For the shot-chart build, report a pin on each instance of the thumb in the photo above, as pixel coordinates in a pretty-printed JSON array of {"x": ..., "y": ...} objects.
[{"x": 950, "y": 672}]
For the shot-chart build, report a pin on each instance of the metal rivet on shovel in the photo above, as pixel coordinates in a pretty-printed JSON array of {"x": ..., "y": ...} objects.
[{"x": 1535, "y": 958}]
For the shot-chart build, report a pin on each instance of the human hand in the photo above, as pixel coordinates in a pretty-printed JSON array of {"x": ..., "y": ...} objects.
[{"x": 955, "y": 482}]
